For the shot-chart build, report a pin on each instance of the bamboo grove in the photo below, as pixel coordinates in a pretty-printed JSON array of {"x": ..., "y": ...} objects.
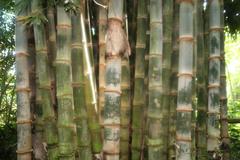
[{"x": 121, "y": 80}]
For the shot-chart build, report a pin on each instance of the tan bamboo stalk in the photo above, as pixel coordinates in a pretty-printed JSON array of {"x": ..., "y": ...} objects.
[
  {"x": 139, "y": 88},
  {"x": 225, "y": 144},
  {"x": 214, "y": 79},
  {"x": 116, "y": 46},
  {"x": 185, "y": 74},
  {"x": 24, "y": 136},
  {"x": 174, "y": 85},
  {"x": 66, "y": 127}
]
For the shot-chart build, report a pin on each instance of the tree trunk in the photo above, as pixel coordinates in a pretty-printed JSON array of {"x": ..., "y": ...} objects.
[
  {"x": 24, "y": 137},
  {"x": 185, "y": 74}
]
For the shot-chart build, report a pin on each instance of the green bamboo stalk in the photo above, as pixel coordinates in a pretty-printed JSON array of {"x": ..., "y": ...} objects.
[
  {"x": 225, "y": 144},
  {"x": 52, "y": 49},
  {"x": 24, "y": 140},
  {"x": 185, "y": 74},
  {"x": 83, "y": 137},
  {"x": 35, "y": 101},
  {"x": 90, "y": 96},
  {"x": 115, "y": 48},
  {"x": 102, "y": 22},
  {"x": 125, "y": 110},
  {"x": 174, "y": 85},
  {"x": 214, "y": 79},
  {"x": 66, "y": 127},
  {"x": 44, "y": 84},
  {"x": 155, "y": 139},
  {"x": 201, "y": 142},
  {"x": 139, "y": 88},
  {"x": 166, "y": 70}
]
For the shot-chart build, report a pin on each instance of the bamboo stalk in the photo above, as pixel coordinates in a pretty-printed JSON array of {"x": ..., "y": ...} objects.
[
  {"x": 174, "y": 85},
  {"x": 83, "y": 137},
  {"x": 115, "y": 48},
  {"x": 90, "y": 82},
  {"x": 90, "y": 96},
  {"x": 125, "y": 110},
  {"x": 44, "y": 84},
  {"x": 155, "y": 139},
  {"x": 66, "y": 126},
  {"x": 102, "y": 22},
  {"x": 225, "y": 144},
  {"x": 24, "y": 137},
  {"x": 166, "y": 70},
  {"x": 35, "y": 101},
  {"x": 201, "y": 142},
  {"x": 214, "y": 79},
  {"x": 185, "y": 74},
  {"x": 139, "y": 88}
]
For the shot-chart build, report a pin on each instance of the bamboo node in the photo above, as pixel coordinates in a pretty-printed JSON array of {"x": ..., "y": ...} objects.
[
  {"x": 23, "y": 89},
  {"x": 155, "y": 54},
  {"x": 213, "y": 86},
  {"x": 63, "y": 26},
  {"x": 216, "y": 28},
  {"x": 142, "y": 17},
  {"x": 102, "y": 43},
  {"x": 186, "y": 38},
  {"x": 139, "y": 75},
  {"x": 185, "y": 74},
  {"x": 76, "y": 45},
  {"x": 21, "y": 53},
  {"x": 77, "y": 84},
  {"x": 102, "y": 21},
  {"x": 48, "y": 87},
  {"x": 155, "y": 22},
  {"x": 140, "y": 45},
  {"x": 27, "y": 121},
  {"x": 62, "y": 61},
  {"x": 184, "y": 139},
  {"x": 223, "y": 98},
  {"x": 113, "y": 90},
  {"x": 110, "y": 153},
  {"x": 154, "y": 142},
  {"x": 213, "y": 112},
  {"x": 24, "y": 151},
  {"x": 184, "y": 109},
  {"x": 214, "y": 57},
  {"x": 44, "y": 50}
]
